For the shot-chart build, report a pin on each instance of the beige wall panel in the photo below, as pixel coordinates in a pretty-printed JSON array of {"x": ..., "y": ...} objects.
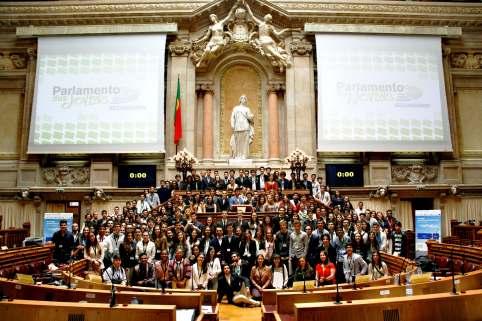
[
  {"x": 101, "y": 174},
  {"x": 380, "y": 173},
  {"x": 8, "y": 175},
  {"x": 470, "y": 115},
  {"x": 10, "y": 108},
  {"x": 472, "y": 172}
]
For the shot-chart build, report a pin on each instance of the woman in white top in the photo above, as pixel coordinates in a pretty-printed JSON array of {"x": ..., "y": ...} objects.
[
  {"x": 213, "y": 268},
  {"x": 279, "y": 273},
  {"x": 199, "y": 274},
  {"x": 377, "y": 269},
  {"x": 94, "y": 253}
]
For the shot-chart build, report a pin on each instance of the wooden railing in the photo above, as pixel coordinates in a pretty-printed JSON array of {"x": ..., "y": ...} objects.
[
  {"x": 26, "y": 260},
  {"x": 13, "y": 237}
]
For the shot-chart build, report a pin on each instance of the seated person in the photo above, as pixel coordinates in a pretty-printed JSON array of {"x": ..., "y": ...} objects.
[
  {"x": 233, "y": 287},
  {"x": 325, "y": 271},
  {"x": 304, "y": 271},
  {"x": 115, "y": 274},
  {"x": 143, "y": 272},
  {"x": 377, "y": 269}
]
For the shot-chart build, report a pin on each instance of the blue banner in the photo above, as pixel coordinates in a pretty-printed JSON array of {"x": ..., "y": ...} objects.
[
  {"x": 51, "y": 223},
  {"x": 428, "y": 226}
]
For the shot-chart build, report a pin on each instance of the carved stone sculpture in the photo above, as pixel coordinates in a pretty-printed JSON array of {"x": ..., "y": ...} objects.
[
  {"x": 245, "y": 31},
  {"x": 415, "y": 174},
  {"x": 64, "y": 175}
]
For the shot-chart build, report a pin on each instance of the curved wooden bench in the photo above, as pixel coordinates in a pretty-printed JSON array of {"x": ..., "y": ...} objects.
[
  {"x": 25, "y": 260},
  {"x": 466, "y": 258}
]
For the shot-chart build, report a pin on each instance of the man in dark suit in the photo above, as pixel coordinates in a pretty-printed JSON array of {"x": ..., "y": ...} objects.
[
  {"x": 306, "y": 183},
  {"x": 223, "y": 202},
  {"x": 143, "y": 274},
  {"x": 283, "y": 182},
  {"x": 252, "y": 180},
  {"x": 164, "y": 192},
  {"x": 230, "y": 244},
  {"x": 208, "y": 180},
  {"x": 228, "y": 284},
  {"x": 242, "y": 180},
  {"x": 261, "y": 179},
  {"x": 217, "y": 242},
  {"x": 223, "y": 222}
]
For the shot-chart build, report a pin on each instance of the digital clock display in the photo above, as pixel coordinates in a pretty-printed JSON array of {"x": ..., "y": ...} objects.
[
  {"x": 344, "y": 175},
  {"x": 137, "y": 176}
]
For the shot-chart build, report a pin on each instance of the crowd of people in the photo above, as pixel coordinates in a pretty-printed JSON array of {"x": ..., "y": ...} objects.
[{"x": 311, "y": 233}]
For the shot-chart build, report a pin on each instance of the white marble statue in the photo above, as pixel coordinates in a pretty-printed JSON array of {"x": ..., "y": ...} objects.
[{"x": 243, "y": 131}]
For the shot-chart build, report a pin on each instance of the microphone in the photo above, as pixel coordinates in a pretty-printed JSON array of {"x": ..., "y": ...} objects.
[{"x": 338, "y": 296}]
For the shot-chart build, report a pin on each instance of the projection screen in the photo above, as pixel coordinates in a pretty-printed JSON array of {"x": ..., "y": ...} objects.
[
  {"x": 99, "y": 94},
  {"x": 381, "y": 93}
]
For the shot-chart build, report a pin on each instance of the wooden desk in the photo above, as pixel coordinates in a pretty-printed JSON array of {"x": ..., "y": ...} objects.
[
  {"x": 25, "y": 310},
  {"x": 12, "y": 289},
  {"x": 440, "y": 307},
  {"x": 286, "y": 301}
]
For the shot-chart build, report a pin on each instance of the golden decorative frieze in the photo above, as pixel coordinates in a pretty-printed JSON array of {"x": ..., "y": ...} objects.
[
  {"x": 34, "y": 31},
  {"x": 64, "y": 175},
  {"x": 287, "y": 13},
  {"x": 383, "y": 29},
  {"x": 466, "y": 59},
  {"x": 414, "y": 174}
]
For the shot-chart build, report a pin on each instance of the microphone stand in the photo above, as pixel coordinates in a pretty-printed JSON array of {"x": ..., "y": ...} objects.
[
  {"x": 69, "y": 284},
  {"x": 454, "y": 290},
  {"x": 338, "y": 296},
  {"x": 112, "y": 291},
  {"x": 304, "y": 282}
]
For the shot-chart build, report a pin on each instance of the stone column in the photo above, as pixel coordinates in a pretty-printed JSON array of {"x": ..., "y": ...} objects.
[
  {"x": 273, "y": 123},
  {"x": 300, "y": 99},
  {"x": 181, "y": 66},
  {"x": 27, "y": 105},
  {"x": 208, "y": 124}
]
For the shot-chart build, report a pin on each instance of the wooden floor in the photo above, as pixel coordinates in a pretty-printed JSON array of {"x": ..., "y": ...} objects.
[{"x": 229, "y": 312}]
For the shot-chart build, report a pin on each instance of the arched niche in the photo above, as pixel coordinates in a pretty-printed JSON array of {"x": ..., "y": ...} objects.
[{"x": 232, "y": 75}]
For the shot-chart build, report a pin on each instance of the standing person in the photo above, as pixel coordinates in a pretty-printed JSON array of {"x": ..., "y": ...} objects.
[
  {"x": 282, "y": 244},
  {"x": 213, "y": 268},
  {"x": 115, "y": 274},
  {"x": 127, "y": 253},
  {"x": 232, "y": 286},
  {"x": 298, "y": 244},
  {"x": 399, "y": 240},
  {"x": 146, "y": 246},
  {"x": 377, "y": 268},
  {"x": 161, "y": 271},
  {"x": 94, "y": 254},
  {"x": 279, "y": 273},
  {"x": 64, "y": 243},
  {"x": 180, "y": 271},
  {"x": 325, "y": 271},
  {"x": 199, "y": 274},
  {"x": 353, "y": 265},
  {"x": 113, "y": 242},
  {"x": 247, "y": 250},
  {"x": 260, "y": 277}
]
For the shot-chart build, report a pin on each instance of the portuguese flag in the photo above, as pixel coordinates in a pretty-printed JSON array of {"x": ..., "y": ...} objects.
[{"x": 177, "y": 115}]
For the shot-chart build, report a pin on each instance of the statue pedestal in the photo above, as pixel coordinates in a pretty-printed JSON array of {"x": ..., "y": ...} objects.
[{"x": 240, "y": 163}]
